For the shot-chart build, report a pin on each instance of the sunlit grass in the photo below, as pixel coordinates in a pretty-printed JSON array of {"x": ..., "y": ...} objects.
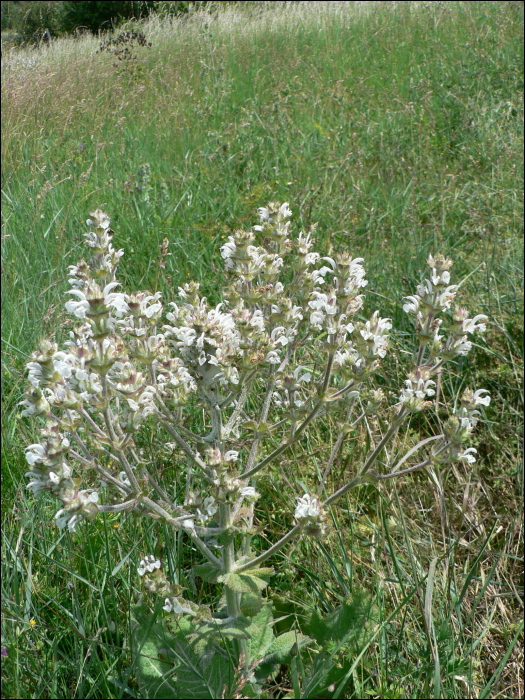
[{"x": 397, "y": 127}]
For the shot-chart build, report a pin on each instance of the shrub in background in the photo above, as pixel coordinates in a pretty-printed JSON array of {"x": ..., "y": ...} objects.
[
  {"x": 30, "y": 20},
  {"x": 102, "y": 14}
]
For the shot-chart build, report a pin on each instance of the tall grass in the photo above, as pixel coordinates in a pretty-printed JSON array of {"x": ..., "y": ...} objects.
[{"x": 397, "y": 127}]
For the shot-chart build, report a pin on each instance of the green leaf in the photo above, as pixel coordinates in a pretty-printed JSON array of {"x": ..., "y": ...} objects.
[
  {"x": 280, "y": 652},
  {"x": 349, "y": 619},
  {"x": 264, "y": 572},
  {"x": 185, "y": 661},
  {"x": 340, "y": 635},
  {"x": 207, "y": 572},
  {"x": 153, "y": 670},
  {"x": 260, "y": 429},
  {"x": 259, "y": 582},
  {"x": 261, "y": 633},
  {"x": 237, "y": 582},
  {"x": 243, "y": 583},
  {"x": 251, "y": 604}
]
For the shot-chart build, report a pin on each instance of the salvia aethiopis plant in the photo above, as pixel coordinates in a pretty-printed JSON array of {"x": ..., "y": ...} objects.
[{"x": 286, "y": 347}]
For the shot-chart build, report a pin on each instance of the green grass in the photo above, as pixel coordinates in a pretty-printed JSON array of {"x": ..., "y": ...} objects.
[{"x": 399, "y": 129}]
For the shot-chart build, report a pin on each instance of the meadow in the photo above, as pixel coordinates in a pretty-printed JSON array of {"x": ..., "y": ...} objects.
[{"x": 398, "y": 128}]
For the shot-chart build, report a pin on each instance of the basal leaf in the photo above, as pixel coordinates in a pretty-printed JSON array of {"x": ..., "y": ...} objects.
[
  {"x": 185, "y": 662},
  {"x": 279, "y": 653}
]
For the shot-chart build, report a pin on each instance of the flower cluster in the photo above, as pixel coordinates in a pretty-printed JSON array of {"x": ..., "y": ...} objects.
[
  {"x": 434, "y": 296},
  {"x": 310, "y": 514},
  {"x": 418, "y": 387},
  {"x": 155, "y": 581},
  {"x": 459, "y": 427}
]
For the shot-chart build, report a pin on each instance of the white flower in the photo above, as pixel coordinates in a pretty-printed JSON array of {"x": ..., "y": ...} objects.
[
  {"x": 75, "y": 510},
  {"x": 249, "y": 492},
  {"x": 273, "y": 357},
  {"x": 62, "y": 362},
  {"x": 481, "y": 400},
  {"x": 284, "y": 210},
  {"x": 155, "y": 306},
  {"x": 412, "y": 305},
  {"x": 149, "y": 564},
  {"x": 231, "y": 456},
  {"x": 257, "y": 320},
  {"x": 304, "y": 244},
  {"x": 311, "y": 258},
  {"x": 468, "y": 455},
  {"x": 186, "y": 335},
  {"x": 304, "y": 378},
  {"x": 169, "y": 607},
  {"x": 279, "y": 336},
  {"x": 77, "y": 308},
  {"x": 210, "y": 506},
  {"x": 319, "y": 301},
  {"x": 476, "y": 324},
  {"x": 228, "y": 250},
  {"x": 99, "y": 219},
  {"x": 473, "y": 399},
  {"x": 35, "y": 454},
  {"x": 307, "y": 507},
  {"x": 445, "y": 299},
  {"x": 418, "y": 388},
  {"x": 123, "y": 477},
  {"x": 325, "y": 269},
  {"x": 35, "y": 407},
  {"x": 316, "y": 319},
  {"x": 37, "y": 484},
  {"x": 460, "y": 346},
  {"x": 116, "y": 300},
  {"x": 175, "y": 606},
  {"x": 442, "y": 277}
]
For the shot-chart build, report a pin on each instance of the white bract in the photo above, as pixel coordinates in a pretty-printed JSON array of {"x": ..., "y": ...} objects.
[{"x": 287, "y": 346}]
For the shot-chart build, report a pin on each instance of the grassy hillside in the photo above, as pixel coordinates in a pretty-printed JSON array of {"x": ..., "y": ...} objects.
[{"x": 398, "y": 128}]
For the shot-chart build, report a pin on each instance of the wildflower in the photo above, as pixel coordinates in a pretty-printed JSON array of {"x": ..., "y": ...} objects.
[
  {"x": 417, "y": 388},
  {"x": 77, "y": 505},
  {"x": 476, "y": 398},
  {"x": 468, "y": 455},
  {"x": 148, "y": 564},
  {"x": 249, "y": 492},
  {"x": 307, "y": 507},
  {"x": 178, "y": 605}
]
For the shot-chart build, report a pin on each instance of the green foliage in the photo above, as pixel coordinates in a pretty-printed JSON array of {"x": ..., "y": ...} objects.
[
  {"x": 184, "y": 658},
  {"x": 102, "y": 14},
  {"x": 206, "y": 571},
  {"x": 340, "y": 636},
  {"x": 31, "y": 19},
  {"x": 243, "y": 583},
  {"x": 173, "y": 8}
]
